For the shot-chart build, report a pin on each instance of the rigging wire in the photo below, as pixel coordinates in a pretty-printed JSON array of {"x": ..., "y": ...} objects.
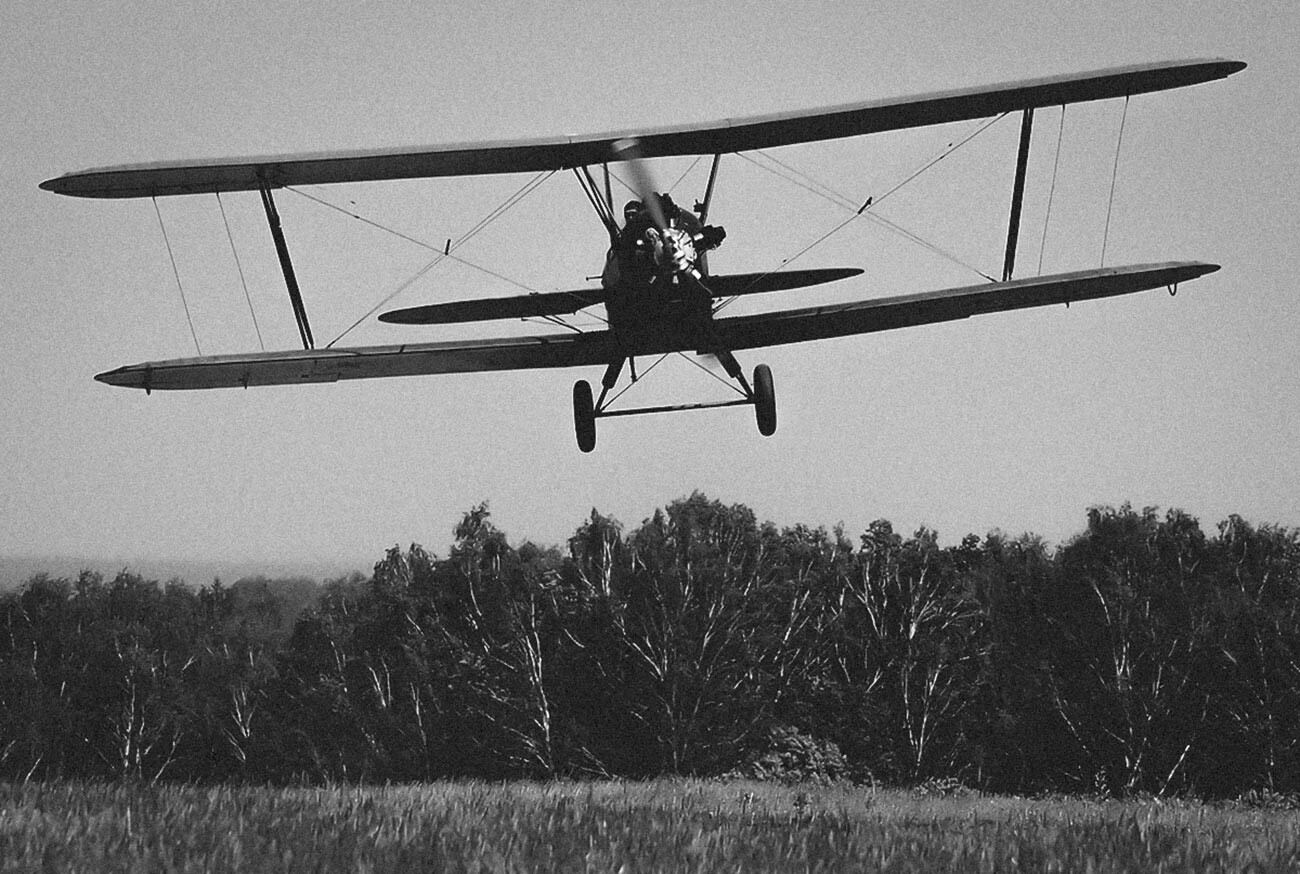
[
  {"x": 526, "y": 189},
  {"x": 559, "y": 320},
  {"x": 730, "y": 385},
  {"x": 808, "y": 183},
  {"x": 621, "y": 181},
  {"x": 644, "y": 374},
  {"x": 1105, "y": 236},
  {"x": 422, "y": 243},
  {"x": 951, "y": 148},
  {"x": 685, "y": 357},
  {"x": 827, "y": 193},
  {"x": 685, "y": 173},
  {"x": 177, "y": 274},
  {"x": 1051, "y": 192},
  {"x": 240, "y": 268},
  {"x": 633, "y": 191},
  {"x": 553, "y": 320}
]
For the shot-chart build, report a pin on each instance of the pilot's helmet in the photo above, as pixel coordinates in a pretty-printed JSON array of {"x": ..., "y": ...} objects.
[{"x": 631, "y": 209}]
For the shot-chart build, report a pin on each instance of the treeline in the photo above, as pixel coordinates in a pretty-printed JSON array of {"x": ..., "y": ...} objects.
[{"x": 1141, "y": 656}]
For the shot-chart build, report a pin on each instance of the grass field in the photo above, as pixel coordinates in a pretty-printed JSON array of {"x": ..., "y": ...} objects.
[{"x": 619, "y": 827}]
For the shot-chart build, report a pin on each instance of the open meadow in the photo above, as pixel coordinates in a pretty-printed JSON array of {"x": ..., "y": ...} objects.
[{"x": 620, "y": 827}]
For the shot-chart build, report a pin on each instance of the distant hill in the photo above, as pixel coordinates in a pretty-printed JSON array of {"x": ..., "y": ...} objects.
[{"x": 16, "y": 570}]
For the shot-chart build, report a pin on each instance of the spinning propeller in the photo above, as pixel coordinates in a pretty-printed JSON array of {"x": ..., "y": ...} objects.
[
  {"x": 629, "y": 152},
  {"x": 677, "y": 248}
]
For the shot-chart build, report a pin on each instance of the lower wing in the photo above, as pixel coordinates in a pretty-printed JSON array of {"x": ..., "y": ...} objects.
[{"x": 602, "y": 347}]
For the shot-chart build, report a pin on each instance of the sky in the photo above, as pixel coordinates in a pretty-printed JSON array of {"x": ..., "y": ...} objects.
[{"x": 1014, "y": 422}]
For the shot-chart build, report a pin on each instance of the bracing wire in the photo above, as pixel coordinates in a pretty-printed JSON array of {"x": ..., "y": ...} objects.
[
  {"x": 1051, "y": 192},
  {"x": 557, "y": 320},
  {"x": 808, "y": 183},
  {"x": 803, "y": 180},
  {"x": 952, "y": 147},
  {"x": 644, "y": 374},
  {"x": 240, "y": 267},
  {"x": 177, "y": 274},
  {"x": 671, "y": 188},
  {"x": 417, "y": 241},
  {"x": 526, "y": 189},
  {"x": 660, "y": 360},
  {"x": 693, "y": 362},
  {"x": 1114, "y": 173},
  {"x": 685, "y": 173}
]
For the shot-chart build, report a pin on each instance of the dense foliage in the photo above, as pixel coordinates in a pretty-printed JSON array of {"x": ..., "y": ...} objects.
[{"x": 1143, "y": 656}]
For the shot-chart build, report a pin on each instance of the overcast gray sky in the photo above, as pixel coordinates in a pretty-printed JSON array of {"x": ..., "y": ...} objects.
[{"x": 1014, "y": 421}]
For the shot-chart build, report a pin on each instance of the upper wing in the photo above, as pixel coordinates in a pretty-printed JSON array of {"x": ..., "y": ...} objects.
[
  {"x": 884, "y": 314},
  {"x": 600, "y": 347},
  {"x": 559, "y": 153}
]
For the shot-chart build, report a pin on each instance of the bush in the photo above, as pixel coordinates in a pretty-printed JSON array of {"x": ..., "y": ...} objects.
[{"x": 790, "y": 756}]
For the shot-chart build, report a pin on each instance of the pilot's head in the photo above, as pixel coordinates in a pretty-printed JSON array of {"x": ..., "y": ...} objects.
[{"x": 631, "y": 210}]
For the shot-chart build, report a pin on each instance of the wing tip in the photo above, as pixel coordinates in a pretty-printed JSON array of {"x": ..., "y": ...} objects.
[
  {"x": 57, "y": 185},
  {"x": 87, "y": 183},
  {"x": 126, "y": 377},
  {"x": 1197, "y": 269}
]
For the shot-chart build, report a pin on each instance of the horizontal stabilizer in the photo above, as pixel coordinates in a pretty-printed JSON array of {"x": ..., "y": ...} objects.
[
  {"x": 731, "y": 285},
  {"x": 551, "y": 303},
  {"x": 559, "y": 303}
]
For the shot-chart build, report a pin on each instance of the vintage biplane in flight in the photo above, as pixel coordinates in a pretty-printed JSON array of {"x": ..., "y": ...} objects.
[{"x": 658, "y": 293}]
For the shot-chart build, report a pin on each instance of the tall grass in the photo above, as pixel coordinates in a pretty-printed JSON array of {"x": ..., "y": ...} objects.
[{"x": 618, "y": 827}]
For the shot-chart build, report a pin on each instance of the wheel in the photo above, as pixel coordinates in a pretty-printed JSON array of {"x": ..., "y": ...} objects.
[
  {"x": 764, "y": 400},
  {"x": 584, "y": 416}
]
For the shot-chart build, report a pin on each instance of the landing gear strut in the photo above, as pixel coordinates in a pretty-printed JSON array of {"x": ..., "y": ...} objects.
[{"x": 760, "y": 395}]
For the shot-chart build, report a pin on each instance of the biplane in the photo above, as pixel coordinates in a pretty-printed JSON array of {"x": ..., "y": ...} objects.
[{"x": 657, "y": 290}]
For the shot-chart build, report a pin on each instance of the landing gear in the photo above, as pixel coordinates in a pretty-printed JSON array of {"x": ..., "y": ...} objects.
[
  {"x": 759, "y": 395},
  {"x": 584, "y": 415},
  {"x": 764, "y": 400}
]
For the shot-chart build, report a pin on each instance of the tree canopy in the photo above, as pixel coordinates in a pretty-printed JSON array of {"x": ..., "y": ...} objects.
[{"x": 1143, "y": 655}]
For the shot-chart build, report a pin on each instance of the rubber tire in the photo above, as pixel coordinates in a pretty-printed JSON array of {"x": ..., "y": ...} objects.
[
  {"x": 584, "y": 418},
  {"x": 764, "y": 400}
]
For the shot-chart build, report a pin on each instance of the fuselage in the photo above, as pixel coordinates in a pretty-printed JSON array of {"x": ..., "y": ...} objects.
[{"x": 656, "y": 281}]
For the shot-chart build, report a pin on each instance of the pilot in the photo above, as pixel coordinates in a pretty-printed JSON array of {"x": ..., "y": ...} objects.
[
  {"x": 636, "y": 221},
  {"x": 631, "y": 252}
]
